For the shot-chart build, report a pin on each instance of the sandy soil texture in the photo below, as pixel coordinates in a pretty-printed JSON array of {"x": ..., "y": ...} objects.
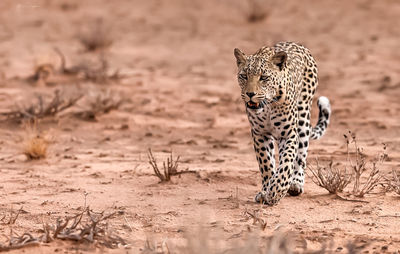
[{"x": 176, "y": 90}]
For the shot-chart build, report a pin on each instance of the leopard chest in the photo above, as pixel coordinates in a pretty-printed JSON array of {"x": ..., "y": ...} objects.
[{"x": 266, "y": 123}]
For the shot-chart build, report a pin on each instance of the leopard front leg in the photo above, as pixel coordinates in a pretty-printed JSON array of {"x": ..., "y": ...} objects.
[
  {"x": 264, "y": 148},
  {"x": 277, "y": 186}
]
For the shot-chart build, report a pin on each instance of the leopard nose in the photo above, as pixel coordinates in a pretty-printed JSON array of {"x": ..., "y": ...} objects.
[{"x": 250, "y": 94}]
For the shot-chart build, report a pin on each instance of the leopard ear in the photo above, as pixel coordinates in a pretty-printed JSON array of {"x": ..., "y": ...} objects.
[
  {"x": 279, "y": 59},
  {"x": 240, "y": 57}
]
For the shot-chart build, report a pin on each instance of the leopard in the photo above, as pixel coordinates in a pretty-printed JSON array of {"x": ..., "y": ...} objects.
[{"x": 277, "y": 85}]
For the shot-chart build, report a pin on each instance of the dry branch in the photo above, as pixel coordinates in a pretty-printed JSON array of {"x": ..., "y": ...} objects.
[{"x": 256, "y": 218}]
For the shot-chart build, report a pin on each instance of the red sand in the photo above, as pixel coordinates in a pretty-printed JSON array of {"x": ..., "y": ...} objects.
[{"x": 183, "y": 96}]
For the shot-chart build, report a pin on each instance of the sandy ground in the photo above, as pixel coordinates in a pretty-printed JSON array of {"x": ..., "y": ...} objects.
[{"x": 181, "y": 94}]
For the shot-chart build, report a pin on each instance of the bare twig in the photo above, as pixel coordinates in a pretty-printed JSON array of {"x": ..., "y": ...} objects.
[
  {"x": 13, "y": 216},
  {"x": 170, "y": 168},
  {"x": 256, "y": 218}
]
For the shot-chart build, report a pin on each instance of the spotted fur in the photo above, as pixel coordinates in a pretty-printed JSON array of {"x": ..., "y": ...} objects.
[{"x": 278, "y": 85}]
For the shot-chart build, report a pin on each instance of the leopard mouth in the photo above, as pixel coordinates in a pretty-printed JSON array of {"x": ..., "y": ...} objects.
[{"x": 253, "y": 105}]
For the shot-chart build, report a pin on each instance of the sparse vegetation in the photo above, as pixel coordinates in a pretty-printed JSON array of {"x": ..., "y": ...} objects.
[
  {"x": 100, "y": 103},
  {"x": 86, "y": 226},
  {"x": 98, "y": 72},
  {"x": 335, "y": 180},
  {"x": 330, "y": 177},
  {"x": 96, "y": 35},
  {"x": 11, "y": 218},
  {"x": 34, "y": 144},
  {"x": 170, "y": 167},
  {"x": 360, "y": 165},
  {"x": 43, "y": 107},
  {"x": 394, "y": 183}
]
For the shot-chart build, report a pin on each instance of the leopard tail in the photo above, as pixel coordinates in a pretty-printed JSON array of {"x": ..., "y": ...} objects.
[{"x": 323, "y": 118}]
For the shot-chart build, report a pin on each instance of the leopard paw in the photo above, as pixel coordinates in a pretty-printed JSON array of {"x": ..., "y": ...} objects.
[
  {"x": 295, "y": 189},
  {"x": 260, "y": 197}
]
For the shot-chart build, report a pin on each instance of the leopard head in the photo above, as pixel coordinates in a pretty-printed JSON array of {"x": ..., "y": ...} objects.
[{"x": 261, "y": 77}]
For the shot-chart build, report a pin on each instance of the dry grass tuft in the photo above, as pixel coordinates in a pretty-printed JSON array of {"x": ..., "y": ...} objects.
[
  {"x": 86, "y": 226},
  {"x": 96, "y": 36},
  {"x": 35, "y": 144},
  {"x": 43, "y": 107},
  {"x": 330, "y": 177},
  {"x": 170, "y": 167}
]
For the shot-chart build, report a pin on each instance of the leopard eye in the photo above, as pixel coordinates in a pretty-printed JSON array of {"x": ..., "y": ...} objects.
[
  {"x": 264, "y": 78},
  {"x": 243, "y": 76}
]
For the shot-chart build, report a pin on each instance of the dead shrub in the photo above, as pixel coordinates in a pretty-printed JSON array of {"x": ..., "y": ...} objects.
[
  {"x": 335, "y": 180},
  {"x": 100, "y": 103},
  {"x": 330, "y": 177},
  {"x": 96, "y": 71},
  {"x": 86, "y": 226},
  {"x": 360, "y": 165},
  {"x": 97, "y": 35},
  {"x": 170, "y": 167},
  {"x": 43, "y": 107},
  {"x": 394, "y": 183}
]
